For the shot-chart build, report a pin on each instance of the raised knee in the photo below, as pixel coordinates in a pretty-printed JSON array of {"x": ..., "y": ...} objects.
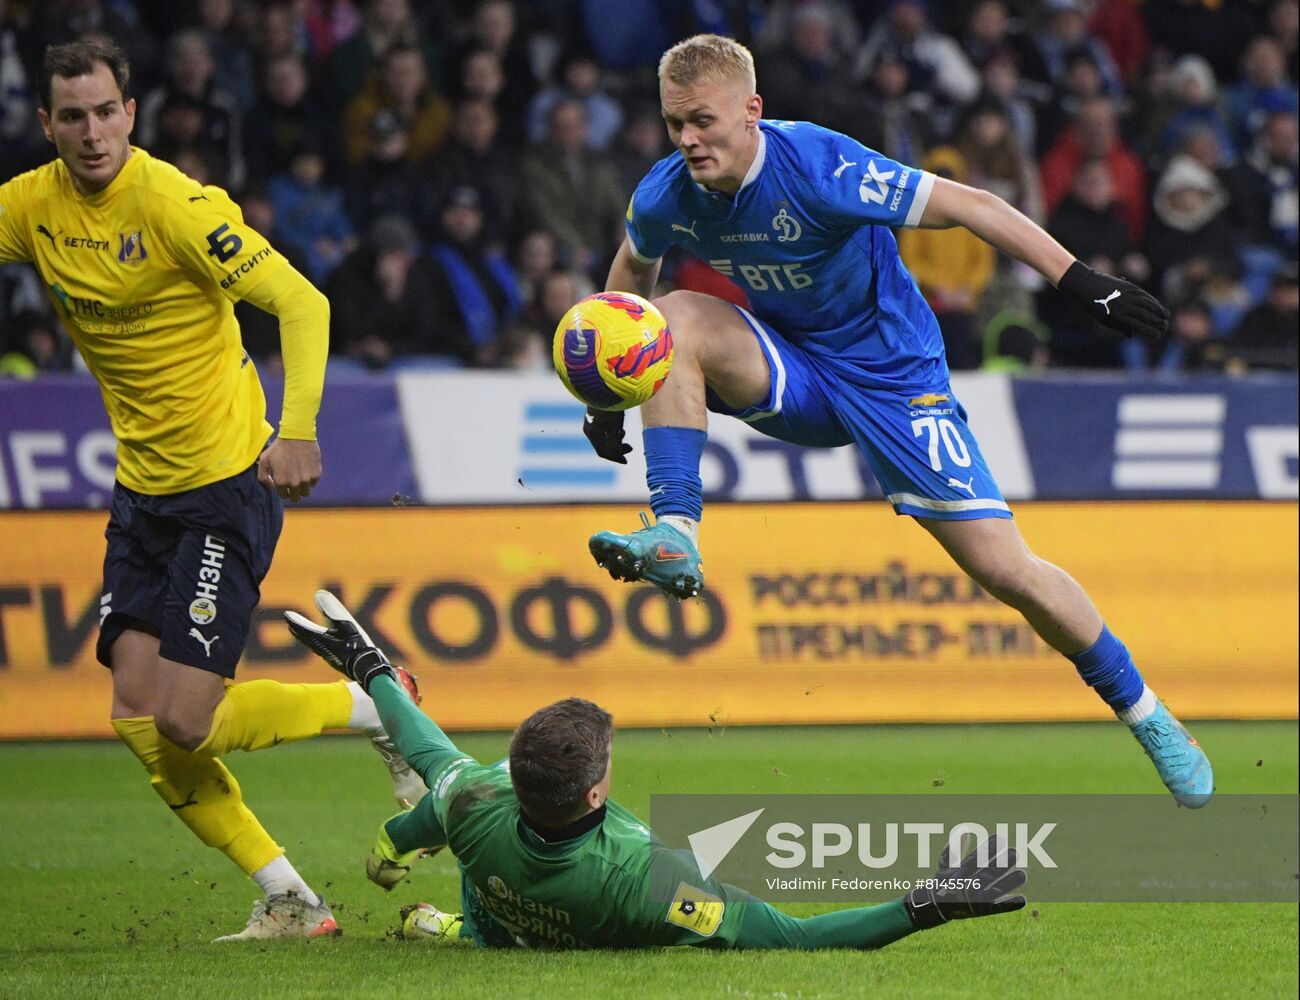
[
  {"x": 185, "y": 729},
  {"x": 681, "y": 309}
]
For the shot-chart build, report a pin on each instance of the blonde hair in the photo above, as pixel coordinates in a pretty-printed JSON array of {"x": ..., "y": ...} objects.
[{"x": 707, "y": 57}]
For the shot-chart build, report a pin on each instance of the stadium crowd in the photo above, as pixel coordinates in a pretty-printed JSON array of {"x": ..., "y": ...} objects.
[{"x": 454, "y": 174}]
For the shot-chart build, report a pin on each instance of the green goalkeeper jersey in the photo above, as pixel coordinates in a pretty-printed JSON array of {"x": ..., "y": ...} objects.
[{"x": 612, "y": 886}]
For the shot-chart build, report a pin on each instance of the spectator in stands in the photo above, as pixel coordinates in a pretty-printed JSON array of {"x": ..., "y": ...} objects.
[
  {"x": 935, "y": 61},
  {"x": 573, "y": 191},
  {"x": 1267, "y": 335},
  {"x": 535, "y": 257},
  {"x": 279, "y": 33},
  {"x": 400, "y": 86},
  {"x": 995, "y": 159},
  {"x": 381, "y": 305},
  {"x": 952, "y": 267},
  {"x": 1094, "y": 133},
  {"x": 33, "y": 343},
  {"x": 483, "y": 79},
  {"x": 1021, "y": 98},
  {"x": 1194, "y": 97},
  {"x": 1016, "y": 342},
  {"x": 1283, "y": 24},
  {"x": 386, "y": 23},
  {"x": 475, "y": 294},
  {"x": 226, "y": 33},
  {"x": 580, "y": 81},
  {"x": 1272, "y": 167},
  {"x": 1118, "y": 25},
  {"x": 310, "y": 213},
  {"x": 1263, "y": 90},
  {"x": 203, "y": 116},
  {"x": 1189, "y": 231},
  {"x": 778, "y": 26},
  {"x": 810, "y": 79},
  {"x": 286, "y": 115},
  {"x": 1247, "y": 202},
  {"x": 641, "y": 144},
  {"x": 59, "y": 21},
  {"x": 1211, "y": 28},
  {"x": 328, "y": 24},
  {"x": 1090, "y": 225},
  {"x": 900, "y": 124},
  {"x": 1081, "y": 82},
  {"x": 991, "y": 33},
  {"x": 1063, "y": 35},
  {"x": 474, "y": 157},
  {"x": 22, "y": 146},
  {"x": 495, "y": 29},
  {"x": 387, "y": 182}
]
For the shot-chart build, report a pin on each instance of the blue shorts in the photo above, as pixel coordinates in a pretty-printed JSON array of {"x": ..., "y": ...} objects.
[
  {"x": 188, "y": 568},
  {"x": 917, "y": 441}
]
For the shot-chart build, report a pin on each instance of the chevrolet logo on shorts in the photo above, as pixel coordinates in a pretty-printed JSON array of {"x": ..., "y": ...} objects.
[{"x": 929, "y": 399}]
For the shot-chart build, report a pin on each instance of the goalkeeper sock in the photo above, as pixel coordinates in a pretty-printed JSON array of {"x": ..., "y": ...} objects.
[
  {"x": 202, "y": 794},
  {"x": 259, "y": 714},
  {"x": 672, "y": 471},
  {"x": 364, "y": 717},
  {"x": 280, "y": 878},
  {"x": 1107, "y": 667}
]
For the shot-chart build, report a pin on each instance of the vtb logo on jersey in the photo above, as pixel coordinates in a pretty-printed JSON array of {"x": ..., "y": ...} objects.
[
  {"x": 875, "y": 184},
  {"x": 132, "y": 249}
]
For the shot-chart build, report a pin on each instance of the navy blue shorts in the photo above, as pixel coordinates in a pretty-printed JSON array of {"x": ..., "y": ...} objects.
[
  {"x": 188, "y": 567},
  {"x": 917, "y": 441}
]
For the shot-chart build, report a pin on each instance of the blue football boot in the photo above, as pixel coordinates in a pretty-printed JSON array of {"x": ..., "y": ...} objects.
[
  {"x": 658, "y": 553},
  {"x": 1179, "y": 759}
]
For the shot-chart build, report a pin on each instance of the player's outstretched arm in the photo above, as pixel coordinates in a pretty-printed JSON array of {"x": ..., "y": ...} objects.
[
  {"x": 983, "y": 884},
  {"x": 292, "y": 463},
  {"x": 346, "y": 647},
  {"x": 1113, "y": 302}
]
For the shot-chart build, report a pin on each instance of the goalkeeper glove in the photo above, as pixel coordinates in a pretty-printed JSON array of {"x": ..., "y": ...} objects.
[
  {"x": 969, "y": 889},
  {"x": 1114, "y": 302},
  {"x": 344, "y": 645},
  {"x": 605, "y": 432}
]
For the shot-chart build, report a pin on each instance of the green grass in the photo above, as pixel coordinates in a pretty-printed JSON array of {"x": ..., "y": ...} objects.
[{"x": 103, "y": 894}]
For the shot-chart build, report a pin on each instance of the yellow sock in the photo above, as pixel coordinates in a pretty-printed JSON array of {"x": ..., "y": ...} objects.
[
  {"x": 259, "y": 714},
  {"x": 203, "y": 795}
]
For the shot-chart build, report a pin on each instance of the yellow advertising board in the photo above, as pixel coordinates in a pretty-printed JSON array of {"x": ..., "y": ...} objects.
[{"x": 813, "y": 613}]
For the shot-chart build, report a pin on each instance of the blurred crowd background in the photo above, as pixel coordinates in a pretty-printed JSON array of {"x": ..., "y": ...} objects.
[{"x": 454, "y": 174}]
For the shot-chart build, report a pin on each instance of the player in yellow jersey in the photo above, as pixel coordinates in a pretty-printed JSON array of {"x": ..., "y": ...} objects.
[{"x": 144, "y": 265}]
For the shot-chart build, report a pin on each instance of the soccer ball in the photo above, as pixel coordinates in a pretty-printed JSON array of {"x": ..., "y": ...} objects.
[{"x": 613, "y": 350}]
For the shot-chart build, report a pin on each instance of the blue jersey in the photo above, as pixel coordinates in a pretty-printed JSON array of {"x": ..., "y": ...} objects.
[{"x": 807, "y": 238}]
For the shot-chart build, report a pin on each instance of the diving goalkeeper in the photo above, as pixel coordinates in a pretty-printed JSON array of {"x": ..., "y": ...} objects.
[{"x": 548, "y": 860}]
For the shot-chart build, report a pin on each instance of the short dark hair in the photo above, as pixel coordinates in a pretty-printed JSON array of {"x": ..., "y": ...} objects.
[
  {"x": 557, "y": 754},
  {"x": 78, "y": 59}
]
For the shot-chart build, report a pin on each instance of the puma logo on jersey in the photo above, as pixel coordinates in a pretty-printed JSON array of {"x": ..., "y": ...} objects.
[
  {"x": 968, "y": 486},
  {"x": 47, "y": 234},
  {"x": 1105, "y": 303},
  {"x": 844, "y": 165},
  {"x": 688, "y": 230},
  {"x": 207, "y": 643}
]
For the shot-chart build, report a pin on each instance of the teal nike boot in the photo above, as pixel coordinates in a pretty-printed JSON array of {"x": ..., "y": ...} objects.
[
  {"x": 659, "y": 554},
  {"x": 1179, "y": 759}
]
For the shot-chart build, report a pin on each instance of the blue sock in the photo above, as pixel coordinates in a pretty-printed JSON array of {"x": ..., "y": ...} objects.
[
  {"x": 672, "y": 470},
  {"x": 1107, "y": 667}
]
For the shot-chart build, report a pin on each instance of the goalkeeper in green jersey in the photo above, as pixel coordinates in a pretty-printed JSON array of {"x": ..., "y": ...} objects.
[{"x": 548, "y": 860}]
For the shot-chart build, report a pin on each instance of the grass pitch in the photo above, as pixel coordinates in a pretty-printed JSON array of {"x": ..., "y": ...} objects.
[{"x": 103, "y": 894}]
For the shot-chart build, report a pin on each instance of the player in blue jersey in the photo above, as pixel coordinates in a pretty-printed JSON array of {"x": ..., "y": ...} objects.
[{"x": 841, "y": 348}]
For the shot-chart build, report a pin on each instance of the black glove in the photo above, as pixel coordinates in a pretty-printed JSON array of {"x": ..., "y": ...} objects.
[
  {"x": 344, "y": 645},
  {"x": 967, "y": 890},
  {"x": 1114, "y": 302},
  {"x": 604, "y": 429}
]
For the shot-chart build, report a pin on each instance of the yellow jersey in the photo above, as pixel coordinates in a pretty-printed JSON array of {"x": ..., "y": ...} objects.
[{"x": 144, "y": 275}]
